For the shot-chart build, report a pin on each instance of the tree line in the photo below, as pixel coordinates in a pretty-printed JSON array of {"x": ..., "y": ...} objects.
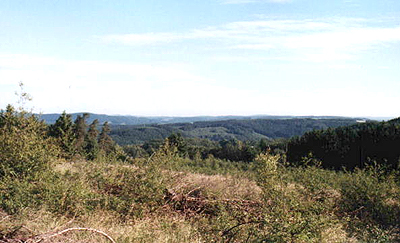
[
  {"x": 79, "y": 138},
  {"x": 341, "y": 147},
  {"x": 350, "y": 146},
  {"x": 196, "y": 148}
]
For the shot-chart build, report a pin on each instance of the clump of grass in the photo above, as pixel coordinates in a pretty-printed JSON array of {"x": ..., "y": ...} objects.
[
  {"x": 217, "y": 186},
  {"x": 40, "y": 224}
]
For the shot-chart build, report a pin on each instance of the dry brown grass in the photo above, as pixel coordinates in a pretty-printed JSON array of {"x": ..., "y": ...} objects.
[
  {"x": 32, "y": 226},
  {"x": 217, "y": 186},
  {"x": 196, "y": 208},
  {"x": 336, "y": 234}
]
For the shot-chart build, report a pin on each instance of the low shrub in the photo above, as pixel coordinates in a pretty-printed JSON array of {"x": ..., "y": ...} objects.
[{"x": 24, "y": 148}]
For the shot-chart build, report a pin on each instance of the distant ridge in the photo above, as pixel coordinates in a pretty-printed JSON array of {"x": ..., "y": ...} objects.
[
  {"x": 146, "y": 120},
  {"x": 237, "y": 129}
]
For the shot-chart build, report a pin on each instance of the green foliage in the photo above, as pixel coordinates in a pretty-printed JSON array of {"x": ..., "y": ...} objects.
[
  {"x": 296, "y": 204},
  {"x": 62, "y": 130},
  {"x": 235, "y": 150},
  {"x": 373, "y": 196},
  {"x": 123, "y": 189},
  {"x": 127, "y": 190},
  {"x": 135, "y": 151},
  {"x": 306, "y": 203},
  {"x": 91, "y": 147},
  {"x": 105, "y": 141},
  {"x": 24, "y": 147},
  {"x": 80, "y": 130},
  {"x": 351, "y": 146},
  {"x": 61, "y": 194},
  {"x": 303, "y": 203},
  {"x": 81, "y": 140},
  {"x": 177, "y": 141},
  {"x": 291, "y": 213},
  {"x": 243, "y": 130}
]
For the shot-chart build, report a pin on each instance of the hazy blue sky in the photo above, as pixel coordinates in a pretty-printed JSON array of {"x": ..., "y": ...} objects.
[{"x": 203, "y": 57}]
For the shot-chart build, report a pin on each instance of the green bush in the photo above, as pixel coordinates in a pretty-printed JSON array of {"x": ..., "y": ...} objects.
[
  {"x": 292, "y": 212},
  {"x": 371, "y": 195},
  {"x": 60, "y": 194},
  {"x": 128, "y": 190},
  {"x": 24, "y": 148}
]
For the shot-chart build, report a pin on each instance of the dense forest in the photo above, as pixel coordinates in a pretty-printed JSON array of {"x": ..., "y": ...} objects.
[
  {"x": 146, "y": 120},
  {"x": 243, "y": 129},
  {"x": 350, "y": 146},
  {"x": 71, "y": 182}
]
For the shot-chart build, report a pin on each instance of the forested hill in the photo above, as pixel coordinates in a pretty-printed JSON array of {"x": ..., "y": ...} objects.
[
  {"x": 140, "y": 120},
  {"x": 241, "y": 129},
  {"x": 352, "y": 146}
]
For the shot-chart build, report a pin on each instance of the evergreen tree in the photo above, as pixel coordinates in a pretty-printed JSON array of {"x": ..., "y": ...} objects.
[
  {"x": 105, "y": 141},
  {"x": 350, "y": 147},
  {"x": 8, "y": 116},
  {"x": 91, "y": 144},
  {"x": 263, "y": 145},
  {"x": 62, "y": 130},
  {"x": 176, "y": 140},
  {"x": 80, "y": 130}
]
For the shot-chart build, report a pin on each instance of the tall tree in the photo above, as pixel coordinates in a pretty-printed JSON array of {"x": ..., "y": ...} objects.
[
  {"x": 62, "y": 130},
  {"x": 80, "y": 130},
  {"x": 91, "y": 144},
  {"x": 105, "y": 141},
  {"x": 176, "y": 140}
]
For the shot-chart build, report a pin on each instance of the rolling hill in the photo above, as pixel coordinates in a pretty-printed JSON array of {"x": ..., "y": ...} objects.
[
  {"x": 244, "y": 129},
  {"x": 138, "y": 130}
]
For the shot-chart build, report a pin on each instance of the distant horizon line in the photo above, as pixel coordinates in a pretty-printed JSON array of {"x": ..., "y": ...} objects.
[{"x": 193, "y": 116}]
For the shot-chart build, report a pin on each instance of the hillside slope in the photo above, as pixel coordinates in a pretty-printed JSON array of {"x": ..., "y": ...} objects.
[
  {"x": 244, "y": 129},
  {"x": 351, "y": 146},
  {"x": 140, "y": 120}
]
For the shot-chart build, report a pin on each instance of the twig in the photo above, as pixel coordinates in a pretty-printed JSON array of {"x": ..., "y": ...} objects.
[
  {"x": 6, "y": 217},
  {"x": 238, "y": 225},
  {"x": 197, "y": 188},
  {"x": 64, "y": 225},
  {"x": 30, "y": 230},
  {"x": 41, "y": 238}
]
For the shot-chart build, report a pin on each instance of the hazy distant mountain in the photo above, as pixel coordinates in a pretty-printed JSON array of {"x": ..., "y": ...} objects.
[
  {"x": 115, "y": 120},
  {"x": 141, "y": 120},
  {"x": 137, "y": 130}
]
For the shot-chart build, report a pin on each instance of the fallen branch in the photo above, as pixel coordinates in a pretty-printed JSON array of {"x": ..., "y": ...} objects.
[
  {"x": 6, "y": 217},
  {"x": 227, "y": 232},
  {"x": 46, "y": 237}
]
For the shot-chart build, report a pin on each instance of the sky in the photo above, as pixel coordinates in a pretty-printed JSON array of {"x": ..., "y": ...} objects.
[{"x": 203, "y": 57}]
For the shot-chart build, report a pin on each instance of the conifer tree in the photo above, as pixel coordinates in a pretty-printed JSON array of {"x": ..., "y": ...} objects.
[
  {"x": 105, "y": 141},
  {"x": 80, "y": 130},
  {"x": 91, "y": 144},
  {"x": 176, "y": 140},
  {"x": 62, "y": 129}
]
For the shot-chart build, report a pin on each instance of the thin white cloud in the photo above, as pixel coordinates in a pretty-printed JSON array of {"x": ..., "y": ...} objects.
[
  {"x": 253, "y": 46},
  {"x": 310, "y": 39},
  {"x": 143, "y": 39},
  {"x": 253, "y": 1}
]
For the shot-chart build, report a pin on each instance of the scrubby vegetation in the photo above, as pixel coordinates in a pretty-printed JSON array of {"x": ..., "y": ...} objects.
[{"x": 69, "y": 176}]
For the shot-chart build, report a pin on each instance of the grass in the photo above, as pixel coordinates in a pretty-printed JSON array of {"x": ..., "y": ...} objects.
[{"x": 168, "y": 199}]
